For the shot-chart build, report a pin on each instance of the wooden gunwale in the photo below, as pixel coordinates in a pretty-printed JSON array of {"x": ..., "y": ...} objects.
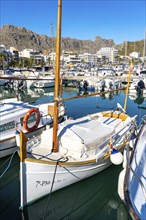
[{"x": 59, "y": 163}]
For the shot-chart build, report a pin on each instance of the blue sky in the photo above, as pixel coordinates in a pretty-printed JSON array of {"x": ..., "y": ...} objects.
[{"x": 81, "y": 19}]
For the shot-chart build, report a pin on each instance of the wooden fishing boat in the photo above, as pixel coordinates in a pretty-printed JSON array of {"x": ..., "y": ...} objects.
[
  {"x": 132, "y": 179},
  {"x": 74, "y": 150}
]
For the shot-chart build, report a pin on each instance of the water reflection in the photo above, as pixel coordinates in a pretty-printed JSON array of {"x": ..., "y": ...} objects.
[
  {"x": 44, "y": 91},
  {"x": 109, "y": 95},
  {"x": 9, "y": 188},
  {"x": 80, "y": 107},
  {"x": 93, "y": 198},
  {"x": 140, "y": 100}
]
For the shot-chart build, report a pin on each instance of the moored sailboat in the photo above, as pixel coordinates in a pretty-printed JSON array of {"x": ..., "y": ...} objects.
[{"x": 74, "y": 150}]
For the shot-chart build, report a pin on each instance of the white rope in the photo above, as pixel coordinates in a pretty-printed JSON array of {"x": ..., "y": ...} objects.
[{"x": 8, "y": 165}]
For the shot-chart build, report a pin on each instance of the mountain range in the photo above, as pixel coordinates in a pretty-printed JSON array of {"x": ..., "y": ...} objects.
[{"x": 21, "y": 38}]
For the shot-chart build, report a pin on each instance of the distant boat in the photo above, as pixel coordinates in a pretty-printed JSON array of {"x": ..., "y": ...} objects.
[
  {"x": 73, "y": 150},
  {"x": 106, "y": 72},
  {"x": 6, "y": 79},
  {"x": 138, "y": 86},
  {"x": 107, "y": 84},
  {"x": 45, "y": 83},
  {"x": 38, "y": 80},
  {"x": 86, "y": 85},
  {"x": 132, "y": 179}
]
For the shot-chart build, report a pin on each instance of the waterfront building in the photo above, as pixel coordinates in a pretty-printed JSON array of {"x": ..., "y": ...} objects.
[
  {"x": 109, "y": 52},
  {"x": 37, "y": 57},
  {"x": 71, "y": 58},
  {"x": 89, "y": 58},
  {"x": 15, "y": 53},
  {"x": 6, "y": 56},
  {"x": 25, "y": 53}
]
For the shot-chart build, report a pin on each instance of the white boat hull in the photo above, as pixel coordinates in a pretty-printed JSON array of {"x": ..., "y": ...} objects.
[
  {"x": 43, "y": 172},
  {"x": 44, "y": 84},
  {"x": 132, "y": 179},
  {"x": 36, "y": 184},
  {"x": 9, "y": 145}
]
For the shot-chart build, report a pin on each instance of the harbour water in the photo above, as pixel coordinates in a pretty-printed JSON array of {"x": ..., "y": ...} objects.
[{"x": 93, "y": 198}]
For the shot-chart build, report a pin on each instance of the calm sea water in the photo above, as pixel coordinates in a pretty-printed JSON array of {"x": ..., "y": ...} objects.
[{"x": 93, "y": 198}]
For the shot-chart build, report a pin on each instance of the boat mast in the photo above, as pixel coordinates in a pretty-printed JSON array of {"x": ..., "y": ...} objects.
[
  {"x": 53, "y": 47},
  {"x": 144, "y": 46},
  {"x": 57, "y": 78},
  {"x": 128, "y": 84}
]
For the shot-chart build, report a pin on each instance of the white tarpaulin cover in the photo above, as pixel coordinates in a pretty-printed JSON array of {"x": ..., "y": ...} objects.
[{"x": 79, "y": 136}]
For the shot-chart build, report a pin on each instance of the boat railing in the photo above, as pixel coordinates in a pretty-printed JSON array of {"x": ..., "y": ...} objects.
[
  {"x": 32, "y": 143},
  {"x": 115, "y": 139},
  {"x": 130, "y": 167}
]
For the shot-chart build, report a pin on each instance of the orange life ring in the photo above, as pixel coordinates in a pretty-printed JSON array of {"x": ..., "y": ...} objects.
[{"x": 25, "y": 120}]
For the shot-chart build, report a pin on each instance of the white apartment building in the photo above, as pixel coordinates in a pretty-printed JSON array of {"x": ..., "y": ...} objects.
[
  {"x": 71, "y": 59},
  {"x": 108, "y": 52},
  {"x": 89, "y": 58},
  {"x": 52, "y": 56},
  {"x": 9, "y": 55},
  {"x": 15, "y": 53},
  {"x": 30, "y": 53},
  {"x": 25, "y": 53}
]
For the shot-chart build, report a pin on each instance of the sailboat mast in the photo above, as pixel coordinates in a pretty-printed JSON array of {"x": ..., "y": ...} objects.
[
  {"x": 53, "y": 46},
  {"x": 144, "y": 46},
  {"x": 127, "y": 89},
  {"x": 57, "y": 78}
]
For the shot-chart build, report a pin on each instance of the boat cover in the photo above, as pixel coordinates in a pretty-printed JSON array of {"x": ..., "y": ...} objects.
[{"x": 80, "y": 137}]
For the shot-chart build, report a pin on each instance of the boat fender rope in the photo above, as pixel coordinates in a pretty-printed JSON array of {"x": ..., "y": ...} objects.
[{"x": 26, "y": 117}]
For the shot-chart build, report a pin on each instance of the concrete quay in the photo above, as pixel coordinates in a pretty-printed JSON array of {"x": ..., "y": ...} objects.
[{"x": 80, "y": 78}]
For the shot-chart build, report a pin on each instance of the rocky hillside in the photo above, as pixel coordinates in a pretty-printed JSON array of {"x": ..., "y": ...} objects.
[{"x": 21, "y": 38}]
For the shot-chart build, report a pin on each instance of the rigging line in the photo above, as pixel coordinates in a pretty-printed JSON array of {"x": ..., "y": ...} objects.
[
  {"x": 92, "y": 94},
  {"x": 42, "y": 156},
  {"x": 5, "y": 162},
  {"x": 48, "y": 200},
  {"x": 70, "y": 172},
  {"x": 8, "y": 165}
]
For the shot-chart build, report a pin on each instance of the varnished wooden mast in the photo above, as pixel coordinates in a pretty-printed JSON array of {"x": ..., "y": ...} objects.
[{"x": 57, "y": 78}]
